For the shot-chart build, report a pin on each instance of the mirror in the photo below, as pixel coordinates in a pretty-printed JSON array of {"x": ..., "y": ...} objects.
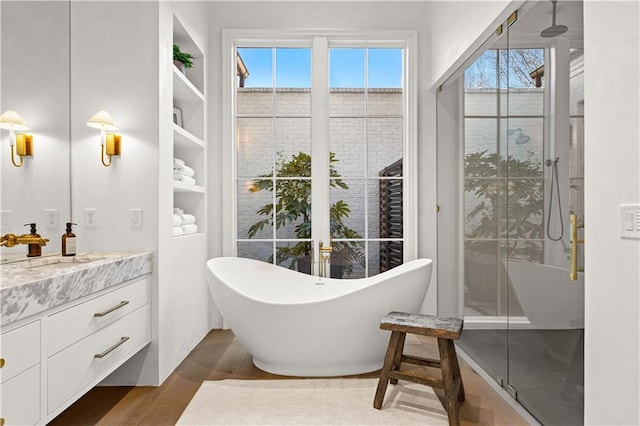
[{"x": 35, "y": 82}]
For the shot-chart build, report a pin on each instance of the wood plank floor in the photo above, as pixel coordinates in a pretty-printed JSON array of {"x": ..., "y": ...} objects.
[{"x": 220, "y": 356}]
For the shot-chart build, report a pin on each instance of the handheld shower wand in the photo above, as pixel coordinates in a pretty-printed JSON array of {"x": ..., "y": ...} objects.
[{"x": 554, "y": 177}]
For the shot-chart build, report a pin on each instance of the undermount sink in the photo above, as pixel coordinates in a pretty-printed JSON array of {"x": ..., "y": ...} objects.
[{"x": 61, "y": 262}]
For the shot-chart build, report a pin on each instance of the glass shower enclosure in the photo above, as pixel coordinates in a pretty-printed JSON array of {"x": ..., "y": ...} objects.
[{"x": 522, "y": 182}]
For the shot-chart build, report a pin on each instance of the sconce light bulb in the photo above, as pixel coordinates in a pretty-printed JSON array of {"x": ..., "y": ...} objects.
[
  {"x": 103, "y": 136},
  {"x": 12, "y": 137}
]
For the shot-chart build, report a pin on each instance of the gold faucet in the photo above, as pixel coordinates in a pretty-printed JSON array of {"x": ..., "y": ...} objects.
[
  {"x": 10, "y": 240},
  {"x": 33, "y": 240},
  {"x": 325, "y": 257}
]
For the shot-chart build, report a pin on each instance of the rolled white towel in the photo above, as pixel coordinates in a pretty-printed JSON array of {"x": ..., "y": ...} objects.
[
  {"x": 189, "y": 180},
  {"x": 177, "y": 220},
  {"x": 177, "y": 210},
  {"x": 178, "y": 162},
  {"x": 185, "y": 179},
  {"x": 189, "y": 229},
  {"x": 187, "y": 171},
  {"x": 187, "y": 219},
  {"x": 177, "y": 231}
]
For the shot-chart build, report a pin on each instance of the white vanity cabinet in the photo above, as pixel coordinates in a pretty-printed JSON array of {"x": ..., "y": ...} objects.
[
  {"x": 88, "y": 341},
  {"x": 51, "y": 362},
  {"x": 20, "y": 375}
]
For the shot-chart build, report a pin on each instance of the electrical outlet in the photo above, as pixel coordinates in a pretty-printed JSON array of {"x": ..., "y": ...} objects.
[
  {"x": 135, "y": 218},
  {"x": 91, "y": 218},
  {"x": 51, "y": 218}
]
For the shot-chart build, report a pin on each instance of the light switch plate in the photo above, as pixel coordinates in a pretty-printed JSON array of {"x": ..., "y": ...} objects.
[
  {"x": 630, "y": 221},
  {"x": 135, "y": 218}
]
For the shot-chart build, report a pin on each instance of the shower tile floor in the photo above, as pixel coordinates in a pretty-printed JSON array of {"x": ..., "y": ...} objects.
[{"x": 546, "y": 367}]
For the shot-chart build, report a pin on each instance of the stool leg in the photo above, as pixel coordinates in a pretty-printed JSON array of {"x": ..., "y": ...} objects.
[
  {"x": 388, "y": 364},
  {"x": 444, "y": 346},
  {"x": 397, "y": 359},
  {"x": 456, "y": 372}
]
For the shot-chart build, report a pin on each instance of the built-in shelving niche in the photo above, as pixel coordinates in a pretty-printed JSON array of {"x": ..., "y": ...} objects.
[{"x": 189, "y": 135}]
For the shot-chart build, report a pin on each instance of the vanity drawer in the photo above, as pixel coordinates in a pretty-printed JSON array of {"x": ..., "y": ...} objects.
[
  {"x": 21, "y": 398},
  {"x": 19, "y": 350},
  {"x": 78, "y": 366},
  {"x": 77, "y": 322}
]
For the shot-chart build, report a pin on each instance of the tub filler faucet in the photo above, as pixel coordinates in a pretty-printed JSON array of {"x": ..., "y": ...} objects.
[{"x": 325, "y": 259}]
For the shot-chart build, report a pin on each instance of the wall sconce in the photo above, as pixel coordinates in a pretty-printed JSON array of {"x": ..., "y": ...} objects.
[
  {"x": 21, "y": 143},
  {"x": 110, "y": 142}
]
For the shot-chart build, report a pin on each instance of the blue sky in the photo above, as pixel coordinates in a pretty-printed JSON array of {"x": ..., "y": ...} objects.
[{"x": 347, "y": 67}]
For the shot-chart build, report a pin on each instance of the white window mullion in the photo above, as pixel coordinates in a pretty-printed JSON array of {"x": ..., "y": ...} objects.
[
  {"x": 321, "y": 199},
  {"x": 366, "y": 162},
  {"x": 274, "y": 153}
]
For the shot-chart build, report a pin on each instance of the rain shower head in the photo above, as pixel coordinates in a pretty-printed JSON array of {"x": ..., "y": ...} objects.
[{"x": 554, "y": 30}]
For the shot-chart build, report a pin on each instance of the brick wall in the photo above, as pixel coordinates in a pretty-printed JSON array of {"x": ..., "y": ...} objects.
[{"x": 279, "y": 126}]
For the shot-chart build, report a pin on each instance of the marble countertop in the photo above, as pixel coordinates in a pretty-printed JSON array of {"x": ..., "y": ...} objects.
[{"x": 36, "y": 285}]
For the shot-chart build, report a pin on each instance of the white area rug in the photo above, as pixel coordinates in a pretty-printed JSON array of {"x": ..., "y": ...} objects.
[{"x": 311, "y": 402}]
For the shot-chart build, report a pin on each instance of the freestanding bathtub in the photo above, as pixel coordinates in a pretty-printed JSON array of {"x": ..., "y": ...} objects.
[
  {"x": 547, "y": 296},
  {"x": 300, "y": 325}
]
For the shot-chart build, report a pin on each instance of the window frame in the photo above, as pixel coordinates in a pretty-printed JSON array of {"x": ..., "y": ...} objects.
[{"x": 233, "y": 38}]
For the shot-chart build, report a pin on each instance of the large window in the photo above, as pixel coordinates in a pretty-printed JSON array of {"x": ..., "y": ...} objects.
[{"x": 321, "y": 136}]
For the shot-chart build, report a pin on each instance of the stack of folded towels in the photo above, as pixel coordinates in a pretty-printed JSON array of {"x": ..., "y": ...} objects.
[
  {"x": 182, "y": 172},
  {"x": 183, "y": 223}
]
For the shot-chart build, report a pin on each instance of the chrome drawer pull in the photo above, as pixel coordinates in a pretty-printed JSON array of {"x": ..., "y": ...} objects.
[
  {"x": 108, "y": 311},
  {"x": 105, "y": 353}
]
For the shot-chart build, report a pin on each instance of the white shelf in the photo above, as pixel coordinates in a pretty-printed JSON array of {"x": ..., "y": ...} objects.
[
  {"x": 179, "y": 186},
  {"x": 180, "y": 237},
  {"x": 184, "y": 90},
  {"x": 185, "y": 139}
]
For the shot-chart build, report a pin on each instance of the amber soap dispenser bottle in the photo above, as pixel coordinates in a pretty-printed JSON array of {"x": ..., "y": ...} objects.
[{"x": 69, "y": 241}]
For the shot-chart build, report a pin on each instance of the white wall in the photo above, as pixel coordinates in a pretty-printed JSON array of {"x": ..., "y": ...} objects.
[
  {"x": 449, "y": 200},
  {"x": 612, "y": 177},
  {"x": 334, "y": 15},
  {"x": 115, "y": 68},
  {"x": 457, "y": 28}
]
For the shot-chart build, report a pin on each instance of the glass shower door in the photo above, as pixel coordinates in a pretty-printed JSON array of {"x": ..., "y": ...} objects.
[
  {"x": 485, "y": 181},
  {"x": 544, "y": 186}
]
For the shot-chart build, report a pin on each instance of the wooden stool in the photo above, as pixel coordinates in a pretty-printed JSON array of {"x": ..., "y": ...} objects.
[{"x": 446, "y": 330}]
